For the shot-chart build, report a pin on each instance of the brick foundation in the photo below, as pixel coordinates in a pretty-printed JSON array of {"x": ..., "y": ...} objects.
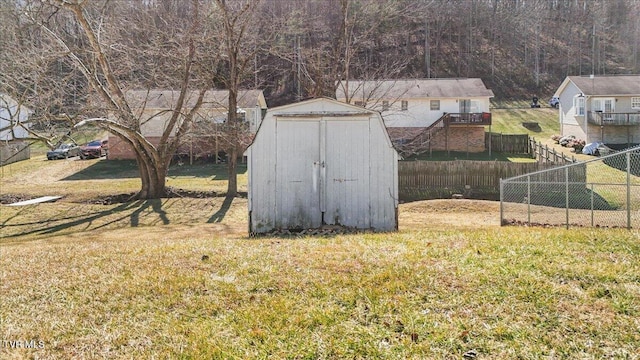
[
  {"x": 460, "y": 138},
  {"x": 456, "y": 138}
]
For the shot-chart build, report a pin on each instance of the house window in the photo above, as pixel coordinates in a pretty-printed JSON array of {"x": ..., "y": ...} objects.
[
  {"x": 404, "y": 105},
  {"x": 361, "y": 103},
  {"x": 475, "y": 106},
  {"x": 435, "y": 104},
  {"x": 578, "y": 104},
  {"x": 465, "y": 106},
  {"x": 635, "y": 102},
  {"x": 385, "y": 105},
  {"x": 605, "y": 105}
]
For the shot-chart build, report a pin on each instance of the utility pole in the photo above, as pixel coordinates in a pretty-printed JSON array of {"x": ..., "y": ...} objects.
[{"x": 298, "y": 70}]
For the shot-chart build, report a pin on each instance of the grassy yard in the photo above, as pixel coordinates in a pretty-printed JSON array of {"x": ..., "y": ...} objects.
[
  {"x": 198, "y": 290},
  {"x": 483, "y": 156},
  {"x": 507, "y": 118},
  {"x": 180, "y": 278},
  {"x": 85, "y": 180},
  {"x": 509, "y": 121}
]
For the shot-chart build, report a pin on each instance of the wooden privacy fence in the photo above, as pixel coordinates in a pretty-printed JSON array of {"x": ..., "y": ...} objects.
[
  {"x": 479, "y": 179},
  {"x": 523, "y": 144},
  {"x": 12, "y": 152},
  {"x": 507, "y": 143},
  {"x": 545, "y": 154}
]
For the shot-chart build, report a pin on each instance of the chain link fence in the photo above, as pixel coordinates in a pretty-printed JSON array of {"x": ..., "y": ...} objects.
[{"x": 603, "y": 192}]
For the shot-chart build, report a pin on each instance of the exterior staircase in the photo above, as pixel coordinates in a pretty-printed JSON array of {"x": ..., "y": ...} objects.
[{"x": 422, "y": 141}]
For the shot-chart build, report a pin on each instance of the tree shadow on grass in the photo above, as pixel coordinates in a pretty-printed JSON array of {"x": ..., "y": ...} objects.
[
  {"x": 156, "y": 205},
  {"x": 89, "y": 221},
  {"x": 128, "y": 169},
  {"x": 220, "y": 214}
]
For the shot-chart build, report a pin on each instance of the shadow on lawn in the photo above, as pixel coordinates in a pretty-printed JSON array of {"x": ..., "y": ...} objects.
[
  {"x": 128, "y": 169},
  {"x": 156, "y": 205},
  {"x": 220, "y": 214},
  {"x": 90, "y": 221}
]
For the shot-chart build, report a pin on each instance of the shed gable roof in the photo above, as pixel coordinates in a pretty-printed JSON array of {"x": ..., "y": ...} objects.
[
  {"x": 628, "y": 85},
  {"x": 321, "y": 107},
  {"x": 414, "y": 88}
]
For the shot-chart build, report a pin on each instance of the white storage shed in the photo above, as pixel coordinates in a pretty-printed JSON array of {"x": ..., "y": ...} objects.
[{"x": 322, "y": 162}]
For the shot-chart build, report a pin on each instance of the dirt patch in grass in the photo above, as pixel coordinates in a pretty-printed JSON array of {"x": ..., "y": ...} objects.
[
  {"x": 170, "y": 194},
  {"x": 13, "y": 198},
  {"x": 448, "y": 212},
  {"x": 6, "y": 199}
]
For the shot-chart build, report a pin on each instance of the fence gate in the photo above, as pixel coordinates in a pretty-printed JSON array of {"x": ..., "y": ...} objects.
[{"x": 602, "y": 192}]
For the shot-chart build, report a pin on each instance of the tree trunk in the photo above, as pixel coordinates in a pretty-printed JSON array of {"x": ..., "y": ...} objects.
[
  {"x": 232, "y": 166},
  {"x": 232, "y": 161},
  {"x": 152, "y": 167}
]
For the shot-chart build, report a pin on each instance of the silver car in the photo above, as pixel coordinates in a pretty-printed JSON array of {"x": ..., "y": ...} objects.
[{"x": 64, "y": 151}]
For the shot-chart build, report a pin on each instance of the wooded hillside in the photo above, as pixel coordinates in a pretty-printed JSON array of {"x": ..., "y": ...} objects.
[
  {"x": 518, "y": 47},
  {"x": 299, "y": 49}
]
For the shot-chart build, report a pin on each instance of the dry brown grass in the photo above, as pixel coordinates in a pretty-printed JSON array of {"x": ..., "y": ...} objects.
[
  {"x": 191, "y": 289},
  {"x": 179, "y": 278}
]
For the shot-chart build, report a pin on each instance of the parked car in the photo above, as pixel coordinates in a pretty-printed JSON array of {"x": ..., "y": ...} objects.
[
  {"x": 64, "y": 151},
  {"x": 554, "y": 102},
  {"x": 93, "y": 149}
]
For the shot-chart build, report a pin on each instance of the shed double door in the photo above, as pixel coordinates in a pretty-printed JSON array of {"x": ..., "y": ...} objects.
[{"x": 322, "y": 172}]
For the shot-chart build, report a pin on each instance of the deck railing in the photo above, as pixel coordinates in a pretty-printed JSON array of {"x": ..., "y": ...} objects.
[
  {"x": 483, "y": 118},
  {"x": 616, "y": 119}
]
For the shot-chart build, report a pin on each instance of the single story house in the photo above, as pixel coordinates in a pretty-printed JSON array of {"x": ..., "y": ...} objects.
[
  {"x": 154, "y": 109},
  {"x": 321, "y": 163},
  {"x": 601, "y": 108},
  {"x": 426, "y": 114},
  {"x": 13, "y": 119}
]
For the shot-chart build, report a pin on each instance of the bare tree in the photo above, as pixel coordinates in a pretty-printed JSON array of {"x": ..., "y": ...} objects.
[
  {"x": 33, "y": 77},
  {"x": 94, "y": 40},
  {"x": 238, "y": 44}
]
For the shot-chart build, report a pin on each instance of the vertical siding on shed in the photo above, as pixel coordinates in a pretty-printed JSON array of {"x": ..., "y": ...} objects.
[
  {"x": 384, "y": 180},
  {"x": 300, "y": 167},
  {"x": 347, "y": 173},
  {"x": 262, "y": 178},
  {"x": 297, "y": 174}
]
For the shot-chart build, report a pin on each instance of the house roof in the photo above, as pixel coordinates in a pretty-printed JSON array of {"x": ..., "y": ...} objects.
[
  {"x": 414, "y": 88},
  {"x": 604, "y": 85},
  {"x": 213, "y": 99}
]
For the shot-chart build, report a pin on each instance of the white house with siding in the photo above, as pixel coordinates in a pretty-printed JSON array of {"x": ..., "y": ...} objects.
[
  {"x": 319, "y": 163},
  {"x": 13, "y": 119},
  {"x": 416, "y": 102},
  {"x": 601, "y": 108},
  {"x": 446, "y": 114},
  {"x": 155, "y": 108}
]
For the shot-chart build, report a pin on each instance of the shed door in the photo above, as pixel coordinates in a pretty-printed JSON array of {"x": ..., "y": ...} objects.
[
  {"x": 346, "y": 173},
  {"x": 297, "y": 174}
]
